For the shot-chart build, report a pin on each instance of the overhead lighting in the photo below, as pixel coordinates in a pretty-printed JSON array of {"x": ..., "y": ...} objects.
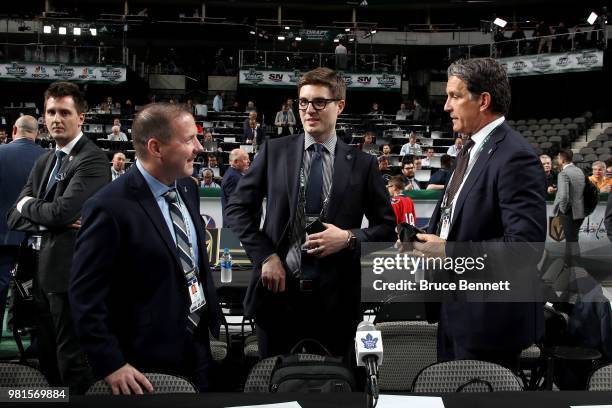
[
  {"x": 298, "y": 38},
  {"x": 528, "y": 21},
  {"x": 252, "y": 32},
  {"x": 336, "y": 40},
  {"x": 62, "y": 31},
  {"x": 364, "y": 3},
  {"x": 351, "y": 39},
  {"x": 281, "y": 38},
  {"x": 93, "y": 31},
  {"x": 47, "y": 29},
  {"x": 500, "y": 22},
  {"x": 287, "y": 28},
  {"x": 76, "y": 31},
  {"x": 592, "y": 18},
  {"x": 373, "y": 32},
  {"x": 347, "y": 30},
  {"x": 261, "y": 35}
]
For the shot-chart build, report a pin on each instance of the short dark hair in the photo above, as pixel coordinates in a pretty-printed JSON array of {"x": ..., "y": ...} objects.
[
  {"x": 62, "y": 89},
  {"x": 567, "y": 155},
  {"x": 397, "y": 182},
  {"x": 409, "y": 158},
  {"x": 446, "y": 161},
  {"x": 325, "y": 77},
  {"x": 484, "y": 75},
  {"x": 155, "y": 120}
]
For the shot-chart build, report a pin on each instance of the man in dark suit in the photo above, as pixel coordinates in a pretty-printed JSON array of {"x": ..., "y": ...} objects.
[
  {"x": 239, "y": 163},
  {"x": 50, "y": 206},
  {"x": 485, "y": 202},
  {"x": 16, "y": 161},
  {"x": 309, "y": 286},
  {"x": 141, "y": 290}
]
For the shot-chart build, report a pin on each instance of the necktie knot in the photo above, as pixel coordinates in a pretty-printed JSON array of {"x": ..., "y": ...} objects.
[
  {"x": 467, "y": 146},
  {"x": 59, "y": 155},
  {"x": 171, "y": 196}
]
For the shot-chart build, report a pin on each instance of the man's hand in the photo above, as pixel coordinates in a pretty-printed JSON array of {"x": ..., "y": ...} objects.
[
  {"x": 75, "y": 225},
  {"x": 327, "y": 242},
  {"x": 432, "y": 246},
  {"x": 128, "y": 380},
  {"x": 273, "y": 274},
  {"x": 551, "y": 190}
]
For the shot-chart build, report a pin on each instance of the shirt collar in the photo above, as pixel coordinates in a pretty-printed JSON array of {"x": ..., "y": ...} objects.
[
  {"x": 479, "y": 136},
  {"x": 157, "y": 187},
  {"x": 330, "y": 143},
  {"x": 68, "y": 148}
]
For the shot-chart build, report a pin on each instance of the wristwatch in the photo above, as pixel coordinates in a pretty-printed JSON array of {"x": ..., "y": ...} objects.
[{"x": 351, "y": 241}]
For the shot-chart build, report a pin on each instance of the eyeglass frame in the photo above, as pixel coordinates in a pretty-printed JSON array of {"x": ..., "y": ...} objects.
[{"x": 327, "y": 101}]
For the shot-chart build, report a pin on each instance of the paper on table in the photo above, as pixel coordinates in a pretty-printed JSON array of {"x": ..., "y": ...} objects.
[
  {"x": 397, "y": 401},
  {"x": 292, "y": 404}
]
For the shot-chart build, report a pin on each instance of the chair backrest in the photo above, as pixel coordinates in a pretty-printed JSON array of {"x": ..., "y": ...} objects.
[
  {"x": 591, "y": 157},
  {"x": 601, "y": 379},
  {"x": 162, "y": 384},
  {"x": 542, "y": 121},
  {"x": 565, "y": 121},
  {"x": 19, "y": 375},
  {"x": 260, "y": 375},
  {"x": 467, "y": 376},
  {"x": 546, "y": 127},
  {"x": 532, "y": 122},
  {"x": 409, "y": 347}
]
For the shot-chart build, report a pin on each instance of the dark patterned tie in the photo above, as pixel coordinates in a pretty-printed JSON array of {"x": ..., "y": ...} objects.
[
  {"x": 59, "y": 155},
  {"x": 462, "y": 162},
  {"x": 183, "y": 242},
  {"x": 314, "y": 189}
]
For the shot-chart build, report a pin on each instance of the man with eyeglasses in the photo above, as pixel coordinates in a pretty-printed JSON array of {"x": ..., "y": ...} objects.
[
  {"x": 408, "y": 172},
  {"x": 306, "y": 280}
]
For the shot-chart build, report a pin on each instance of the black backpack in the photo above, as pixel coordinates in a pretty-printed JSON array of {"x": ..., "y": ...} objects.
[
  {"x": 302, "y": 373},
  {"x": 590, "y": 196}
]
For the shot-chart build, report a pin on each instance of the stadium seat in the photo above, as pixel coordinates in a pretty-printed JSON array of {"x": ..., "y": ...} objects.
[
  {"x": 558, "y": 127},
  {"x": 602, "y": 137},
  {"x": 521, "y": 122},
  {"x": 465, "y": 376},
  {"x": 538, "y": 133},
  {"x": 162, "y": 384},
  {"x": 550, "y": 133},
  {"x": 19, "y": 375},
  {"x": 555, "y": 140},
  {"x": 604, "y": 157},
  {"x": 564, "y": 135},
  {"x": 409, "y": 348},
  {"x": 591, "y": 158},
  {"x": 531, "y": 139},
  {"x": 533, "y": 128},
  {"x": 565, "y": 121},
  {"x": 542, "y": 139},
  {"x": 543, "y": 122},
  {"x": 546, "y": 127},
  {"x": 527, "y": 134},
  {"x": 602, "y": 150},
  {"x": 510, "y": 122},
  {"x": 547, "y": 147},
  {"x": 586, "y": 150},
  {"x": 554, "y": 121},
  {"x": 608, "y": 131},
  {"x": 522, "y": 128},
  {"x": 578, "y": 158},
  {"x": 601, "y": 379},
  {"x": 594, "y": 144},
  {"x": 532, "y": 122},
  {"x": 607, "y": 144}
]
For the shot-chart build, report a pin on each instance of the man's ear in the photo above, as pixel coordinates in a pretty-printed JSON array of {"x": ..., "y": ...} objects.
[
  {"x": 154, "y": 147},
  {"x": 485, "y": 102},
  {"x": 341, "y": 105}
]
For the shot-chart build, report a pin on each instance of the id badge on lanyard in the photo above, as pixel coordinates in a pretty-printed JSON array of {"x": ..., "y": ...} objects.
[
  {"x": 445, "y": 222},
  {"x": 196, "y": 295}
]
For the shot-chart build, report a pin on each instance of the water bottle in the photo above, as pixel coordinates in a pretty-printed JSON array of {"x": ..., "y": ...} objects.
[{"x": 226, "y": 266}]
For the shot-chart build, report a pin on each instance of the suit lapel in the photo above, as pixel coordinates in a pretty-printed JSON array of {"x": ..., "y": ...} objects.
[
  {"x": 49, "y": 162},
  {"x": 145, "y": 198},
  {"x": 343, "y": 164},
  {"x": 186, "y": 188},
  {"x": 487, "y": 152},
  {"x": 294, "y": 153}
]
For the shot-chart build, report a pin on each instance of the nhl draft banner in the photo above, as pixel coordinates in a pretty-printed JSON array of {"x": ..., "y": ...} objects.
[
  {"x": 16, "y": 71},
  {"x": 289, "y": 79},
  {"x": 590, "y": 60}
]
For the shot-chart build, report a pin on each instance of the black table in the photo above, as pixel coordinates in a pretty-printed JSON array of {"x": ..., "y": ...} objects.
[{"x": 524, "y": 399}]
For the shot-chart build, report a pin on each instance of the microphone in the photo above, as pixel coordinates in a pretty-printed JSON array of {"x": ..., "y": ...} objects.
[{"x": 369, "y": 353}]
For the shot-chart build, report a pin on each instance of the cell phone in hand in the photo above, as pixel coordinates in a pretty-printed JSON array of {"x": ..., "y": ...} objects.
[{"x": 314, "y": 227}]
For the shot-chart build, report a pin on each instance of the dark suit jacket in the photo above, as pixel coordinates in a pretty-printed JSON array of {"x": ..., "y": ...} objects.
[
  {"x": 228, "y": 186},
  {"x": 16, "y": 161},
  {"x": 82, "y": 173},
  {"x": 497, "y": 205},
  {"x": 259, "y": 135},
  {"x": 128, "y": 292},
  {"x": 356, "y": 191}
]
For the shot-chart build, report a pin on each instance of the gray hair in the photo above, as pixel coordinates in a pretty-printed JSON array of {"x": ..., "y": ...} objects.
[
  {"x": 484, "y": 75},
  {"x": 599, "y": 163},
  {"x": 27, "y": 124},
  {"x": 545, "y": 156}
]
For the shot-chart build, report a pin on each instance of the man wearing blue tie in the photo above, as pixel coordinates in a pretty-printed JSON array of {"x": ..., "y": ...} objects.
[{"x": 142, "y": 292}]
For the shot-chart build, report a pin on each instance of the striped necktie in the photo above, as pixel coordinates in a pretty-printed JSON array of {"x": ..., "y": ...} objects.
[{"x": 183, "y": 243}]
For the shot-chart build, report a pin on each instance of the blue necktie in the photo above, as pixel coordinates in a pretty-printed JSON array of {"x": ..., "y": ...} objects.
[
  {"x": 314, "y": 188},
  {"x": 59, "y": 155}
]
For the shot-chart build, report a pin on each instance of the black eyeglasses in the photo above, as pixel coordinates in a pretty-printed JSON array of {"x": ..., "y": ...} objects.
[{"x": 317, "y": 103}]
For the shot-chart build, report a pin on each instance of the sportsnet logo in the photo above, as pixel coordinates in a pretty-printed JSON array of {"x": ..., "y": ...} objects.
[
  {"x": 563, "y": 62},
  {"x": 519, "y": 66},
  {"x": 369, "y": 342},
  {"x": 276, "y": 77},
  {"x": 364, "y": 80},
  {"x": 64, "y": 72}
]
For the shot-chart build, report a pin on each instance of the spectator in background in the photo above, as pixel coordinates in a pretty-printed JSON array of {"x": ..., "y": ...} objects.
[
  {"x": 599, "y": 178},
  {"x": 235, "y": 107},
  {"x": 375, "y": 110},
  {"x": 116, "y": 135},
  {"x": 386, "y": 151},
  {"x": 403, "y": 207},
  {"x": 341, "y": 57},
  {"x": 284, "y": 121},
  {"x": 428, "y": 155},
  {"x": 383, "y": 167},
  {"x": 289, "y": 103},
  {"x": 551, "y": 176},
  {"x": 562, "y": 43},
  {"x": 438, "y": 180},
  {"x": 208, "y": 180},
  {"x": 499, "y": 37},
  {"x": 3, "y": 136},
  {"x": 368, "y": 142},
  {"x": 117, "y": 122},
  {"x": 16, "y": 161},
  {"x": 408, "y": 172},
  {"x": 418, "y": 113},
  {"x": 190, "y": 107},
  {"x": 579, "y": 38},
  {"x": 128, "y": 108},
  {"x": 118, "y": 165},
  {"x": 518, "y": 35},
  {"x": 218, "y": 101},
  {"x": 403, "y": 113},
  {"x": 212, "y": 162},
  {"x": 254, "y": 133},
  {"x": 454, "y": 150},
  {"x": 543, "y": 30},
  {"x": 239, "y": 163},
  {"x": 412, "y": 147},
  {"x": 250, "y": 107}
]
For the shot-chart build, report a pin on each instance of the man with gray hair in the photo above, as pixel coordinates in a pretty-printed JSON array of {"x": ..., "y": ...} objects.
[
  {"x": 16, "y": 161},
  {"x": 239, "y": 163},
  {"x": 117, "y": 135},
  {"x": 485, "y": 202}
]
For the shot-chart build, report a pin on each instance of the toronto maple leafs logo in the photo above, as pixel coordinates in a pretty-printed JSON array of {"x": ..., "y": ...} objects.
[{"x": 369, "y": 342}]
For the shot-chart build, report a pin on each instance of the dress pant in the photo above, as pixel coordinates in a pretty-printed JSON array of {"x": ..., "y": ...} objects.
[
  {"x": 7, "y": 260},
  {"x": 61, "y": 358},
  {"x": 571, "y": 227}
]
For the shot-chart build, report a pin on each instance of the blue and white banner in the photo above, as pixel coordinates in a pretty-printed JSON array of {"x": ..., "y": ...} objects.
[
  {"x": 17, "y": 71},
  {"x": 588, "y": 60}
]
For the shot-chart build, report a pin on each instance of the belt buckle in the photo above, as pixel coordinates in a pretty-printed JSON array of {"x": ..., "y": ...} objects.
[{"x": 306, "y": 285}]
